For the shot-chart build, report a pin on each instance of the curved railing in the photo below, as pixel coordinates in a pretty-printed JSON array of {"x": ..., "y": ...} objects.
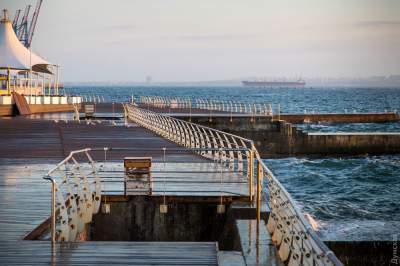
[
  {"x": 76, "y": 195},
  {"x": 295, "y": 239},
  {"x": 192, "y": 135},
  {"x": 233, "y": 151},
  {"x": 206, "y": 104}
]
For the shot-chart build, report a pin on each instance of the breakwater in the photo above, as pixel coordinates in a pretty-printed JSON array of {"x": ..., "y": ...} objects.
[{"x": 277, "y": 138}]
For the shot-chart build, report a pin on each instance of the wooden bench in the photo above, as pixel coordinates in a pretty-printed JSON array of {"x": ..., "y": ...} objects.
[
  {"x": 137, "y": 175},
  {"x": 89, "y": 110},
  {"x": 137, "y": 164}
]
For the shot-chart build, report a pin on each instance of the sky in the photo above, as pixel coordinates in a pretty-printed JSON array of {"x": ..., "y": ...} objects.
[{"x": 186, "y": 40}]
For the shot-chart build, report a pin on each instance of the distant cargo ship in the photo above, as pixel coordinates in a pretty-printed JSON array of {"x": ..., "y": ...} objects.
[{"x": 257, "y": 83}]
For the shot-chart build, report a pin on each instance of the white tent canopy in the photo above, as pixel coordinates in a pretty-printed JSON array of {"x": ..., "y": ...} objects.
[{"x": 14, "y": 55}]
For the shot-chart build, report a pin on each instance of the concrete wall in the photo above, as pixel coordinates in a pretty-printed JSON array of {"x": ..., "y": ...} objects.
[
  {"x": 139, "y": 219},
  {"x": 341, "y": 118},
  {"x": 280, "y": 138}
]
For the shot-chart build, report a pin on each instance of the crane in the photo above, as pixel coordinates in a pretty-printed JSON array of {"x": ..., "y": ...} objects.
[
  {"x": 16, "y": 18},
  {"x": 23, "y": 29},
  {"x": 33, "y": 23}
]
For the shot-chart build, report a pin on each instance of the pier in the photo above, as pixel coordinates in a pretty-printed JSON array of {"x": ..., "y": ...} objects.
[
  {"x": 276, "y": 135},
  {"x": 278, "y": 138},
  {"x": 102, "y": 172},
  {"x": 196, "y": 172}
]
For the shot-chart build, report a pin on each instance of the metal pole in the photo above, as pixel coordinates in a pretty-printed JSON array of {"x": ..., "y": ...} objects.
[
  {"x": 8, "y": 81},
  {"x": 57, "y": 79},
  {"x": 53, "y": 209},
  {"x": 251, "y": 177},
  {"x": 190, "y": 111},
  {"x": 279, "y": 111},
  {"x": 259, "y": 187}
]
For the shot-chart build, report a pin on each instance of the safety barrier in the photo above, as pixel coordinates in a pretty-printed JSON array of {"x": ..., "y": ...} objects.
[
  {"x": 206, "y": 104},
  {"x": 192, "y": 135},
  {"x": 93, "y": 98},
  {"x": 76, "y": 195},
  {"x": 233, "y": 151},
  {"x": 295, "y": 239}
]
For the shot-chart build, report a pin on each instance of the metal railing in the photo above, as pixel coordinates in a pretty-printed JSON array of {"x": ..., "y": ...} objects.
[
  {"x": 297, "y": 242},
  {"x": 93, "y": 98},
  {"x": 206, "y": 104},
  {"x": 75, "y": 198},
  {"x": 210, "y": 143},
  {"x": 35, "y": 83}
]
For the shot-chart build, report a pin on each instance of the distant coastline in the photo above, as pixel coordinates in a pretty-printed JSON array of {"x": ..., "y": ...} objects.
[{"x": 374, "y": 81}]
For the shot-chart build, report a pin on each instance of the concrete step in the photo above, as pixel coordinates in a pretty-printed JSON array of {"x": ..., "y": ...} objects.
[
  {"x": 230, "y": 258},
  {"x": 256, "y": 243},
  {"x": 243, "y": 210}
]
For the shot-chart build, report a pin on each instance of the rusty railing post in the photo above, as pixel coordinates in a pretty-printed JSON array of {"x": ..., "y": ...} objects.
[
  {"x": 259, "y": 188},
  {"x": 53, "y": 208}
]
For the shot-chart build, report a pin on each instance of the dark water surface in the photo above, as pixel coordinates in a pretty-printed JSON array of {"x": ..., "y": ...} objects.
[
  {"x": 291, "y": 100},
  {"x": 351, "y": 198},
  {"x": 351, "y": 127}
]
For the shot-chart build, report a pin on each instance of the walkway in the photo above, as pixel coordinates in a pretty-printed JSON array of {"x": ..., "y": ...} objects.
[{"x": 31, "y": 147}]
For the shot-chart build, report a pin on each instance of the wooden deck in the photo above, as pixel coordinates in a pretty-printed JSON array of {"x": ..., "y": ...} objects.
[
  {"x": 181, "y": 179},
  {"x": 37, "y": 138},
  {"x": 31, "y": 147},
  {"x": 108, "y": 253}
]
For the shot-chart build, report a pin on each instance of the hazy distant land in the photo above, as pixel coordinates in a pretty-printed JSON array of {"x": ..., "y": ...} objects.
[{"x": 374, "y": 81}]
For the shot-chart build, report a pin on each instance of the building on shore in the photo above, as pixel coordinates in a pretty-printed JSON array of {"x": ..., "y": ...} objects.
[{"x": 23, "y": 73}]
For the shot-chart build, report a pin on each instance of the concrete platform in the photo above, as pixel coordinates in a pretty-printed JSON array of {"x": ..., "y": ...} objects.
[
  {"x": 256, "y": 243},
  {"x": 290, "y": 118},
  {"x": 280, "y": 138}
]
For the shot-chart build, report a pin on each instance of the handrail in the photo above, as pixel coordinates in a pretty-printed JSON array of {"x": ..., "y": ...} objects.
[
  {"x": 321, "y": 253},
  {"x": 74, "y": 200},
  {"x": 297, "y": 242},
  {"x": 53, "y": 209},
  {"x": 206, "y": 104},
  {"x": 192, "y": 135}
]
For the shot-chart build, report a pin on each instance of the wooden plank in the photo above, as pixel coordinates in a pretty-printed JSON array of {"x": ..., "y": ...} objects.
[
  {"x": 106, "y": 253},
  {"x": 21, "y": 103},
  {"x": 51, "y": 108},
  {"x": 137, "y": 162},
  {"x": 6, "y": 109}
]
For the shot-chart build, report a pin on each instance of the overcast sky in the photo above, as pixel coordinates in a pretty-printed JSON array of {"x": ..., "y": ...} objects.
[{"x": 185, "y": 40}]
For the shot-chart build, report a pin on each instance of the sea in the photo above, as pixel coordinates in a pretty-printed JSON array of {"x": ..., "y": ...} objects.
[{"x": 351, "y": 198}]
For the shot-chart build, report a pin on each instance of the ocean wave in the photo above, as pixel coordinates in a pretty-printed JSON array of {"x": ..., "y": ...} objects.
[{"x": 353, "y": 189}]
